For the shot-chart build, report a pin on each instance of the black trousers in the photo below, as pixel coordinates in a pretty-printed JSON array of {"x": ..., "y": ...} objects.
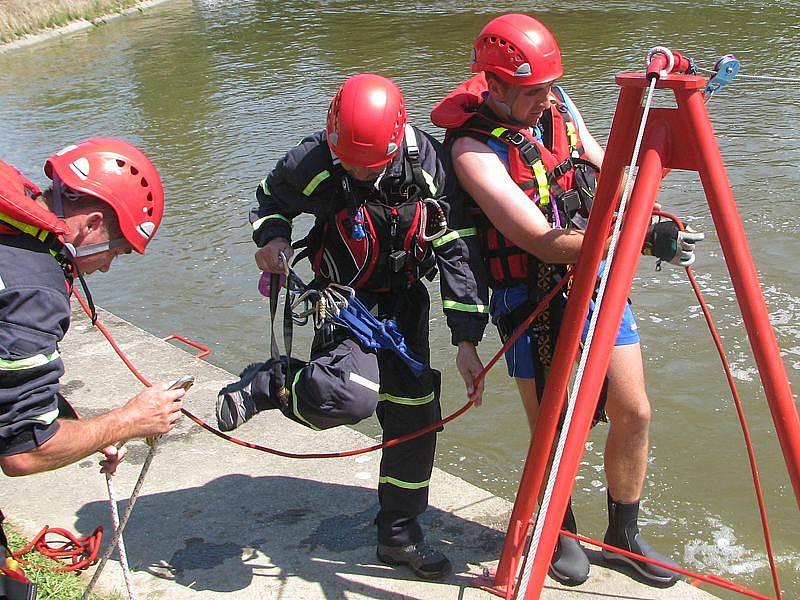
[{"x": 344, "y": 383}]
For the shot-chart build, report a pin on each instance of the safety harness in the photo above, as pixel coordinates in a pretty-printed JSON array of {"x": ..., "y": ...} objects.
[
  {"x": 365, "y": 240},
  {"x": 551, "y": 168}
]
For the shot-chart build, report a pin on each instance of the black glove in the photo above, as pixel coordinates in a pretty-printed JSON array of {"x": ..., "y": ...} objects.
[{"x": 665, "y": 241}]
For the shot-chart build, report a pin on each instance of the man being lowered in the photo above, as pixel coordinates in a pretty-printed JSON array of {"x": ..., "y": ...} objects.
[{"x": 377, "y": 188}]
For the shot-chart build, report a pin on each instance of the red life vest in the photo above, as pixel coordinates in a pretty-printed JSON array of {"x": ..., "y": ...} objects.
[
  {"x": 19, "y": 213},
  {"x": 554, "y": 172}
]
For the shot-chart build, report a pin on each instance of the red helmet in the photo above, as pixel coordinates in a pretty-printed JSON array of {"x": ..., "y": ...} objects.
[
  {"x": 119, "y": 174},
  {"x": 366, "y": 120},
  {"x": 518, "y": 49}
]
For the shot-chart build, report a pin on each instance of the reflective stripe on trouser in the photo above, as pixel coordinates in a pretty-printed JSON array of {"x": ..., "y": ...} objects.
[
  {"x": 338, "y": 387},
  {"x": 408, "y": 403}
]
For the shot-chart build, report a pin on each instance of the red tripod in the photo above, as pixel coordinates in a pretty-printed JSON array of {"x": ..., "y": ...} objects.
[{"x": 674, "y": 138}]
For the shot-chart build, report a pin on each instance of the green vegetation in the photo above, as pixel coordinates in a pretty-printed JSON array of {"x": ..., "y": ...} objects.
[
  {"x": 54, "y": 586},
  {"x": 19, "y": 18}
]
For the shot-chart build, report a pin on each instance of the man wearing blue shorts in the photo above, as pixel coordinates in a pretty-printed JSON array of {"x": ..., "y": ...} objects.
[{"x": 526, "y": 161}]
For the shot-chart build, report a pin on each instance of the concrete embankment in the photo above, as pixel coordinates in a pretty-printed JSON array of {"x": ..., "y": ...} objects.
[
  {"x": 217, "y": 519},
  {"x": 23, "y": 22}
]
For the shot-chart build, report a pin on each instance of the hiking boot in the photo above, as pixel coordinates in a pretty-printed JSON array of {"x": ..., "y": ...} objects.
[
  {"x": 623, "y": 532},
  {"x": 569, "y": 565},
  {"x": 422, "y": 558},
  {"x": 235, "y": 402}
]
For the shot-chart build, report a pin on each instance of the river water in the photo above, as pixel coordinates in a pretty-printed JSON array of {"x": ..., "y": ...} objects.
[{"x": 215, "y": 92}]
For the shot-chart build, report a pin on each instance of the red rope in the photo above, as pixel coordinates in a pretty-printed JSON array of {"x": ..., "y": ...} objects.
[
  {"x": 712, "y": 579},
  {"x": 387, "y": 444},
  {"x": 80, "y": 552},
  {"x": 751, "y": 457}
]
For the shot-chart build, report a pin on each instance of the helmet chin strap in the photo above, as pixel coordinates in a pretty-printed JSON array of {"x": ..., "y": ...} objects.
[{"x": 91, "y": 249}]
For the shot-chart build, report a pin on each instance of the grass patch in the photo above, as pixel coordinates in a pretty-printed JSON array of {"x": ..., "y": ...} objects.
[
  {"x": 19, "y": 18},
  {"x": 54, "y": 586}
]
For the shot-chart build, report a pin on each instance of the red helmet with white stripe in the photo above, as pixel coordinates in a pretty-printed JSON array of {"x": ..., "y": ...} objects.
[
  {"x": 366, "y": 120},
  {"x": 119, "y": 174},
  {"x": 518, "y": 49}
]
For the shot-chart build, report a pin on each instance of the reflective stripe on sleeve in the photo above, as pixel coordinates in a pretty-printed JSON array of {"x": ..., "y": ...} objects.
[
  {"x": 2, "y": 284},
  {"x": 473, "y": 308},
  {"x": 406, "y": 485},
  {"x": 258, "y": 223},
  {"x": 28, "y": 363},
  {"x": 265, "y": 187},
  {"x": 406, "y": 401},
  {"x": 454, "y": 235},
  {"x": 318, "y": 178}
]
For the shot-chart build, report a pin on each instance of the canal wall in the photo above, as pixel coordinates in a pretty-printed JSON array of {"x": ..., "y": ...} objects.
[{"x": 23, "y": 22}]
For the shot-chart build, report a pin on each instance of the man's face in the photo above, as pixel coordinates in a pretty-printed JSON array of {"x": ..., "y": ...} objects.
[
  {"x": 528, "y": 102},
  {"x": 363, "y": 173}
]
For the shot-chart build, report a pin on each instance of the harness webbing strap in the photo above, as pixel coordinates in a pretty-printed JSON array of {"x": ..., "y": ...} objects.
[
  {"x": 540, "y": 173},
  {"x": 421, "y": 177},
  {"x": 572, "y": 135}
]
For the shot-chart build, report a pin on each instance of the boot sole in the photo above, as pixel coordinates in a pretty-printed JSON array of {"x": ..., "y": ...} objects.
[
  {"x": 424, "y": 574},
  {"x": 565, "y": 580},
  {"x": 654, "y": 579}
]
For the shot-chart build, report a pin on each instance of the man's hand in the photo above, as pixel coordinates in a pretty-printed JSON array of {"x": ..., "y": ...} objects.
[
  {"x": 469, "y": 365},
  {"x": 269, "y": 257},
  {"x": 114, "y": 456},
  {"x": 153, "y": 411},
  {"x": 665, "y": 241}
]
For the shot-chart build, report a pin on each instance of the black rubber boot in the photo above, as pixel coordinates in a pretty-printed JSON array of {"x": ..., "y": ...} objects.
[
  {"x": 623, "y": 532},
  {"x": 424, "y": 560},
  {"x": 570, "y": 565}
]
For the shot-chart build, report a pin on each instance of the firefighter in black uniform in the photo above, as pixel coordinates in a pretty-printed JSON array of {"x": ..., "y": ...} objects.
[
  {"x": 106, "y": 200},
  {"x": 378, "y": 190}
]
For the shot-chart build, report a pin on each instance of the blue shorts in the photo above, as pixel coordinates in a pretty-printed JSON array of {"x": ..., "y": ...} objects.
[{"x": 519, "y": 359}]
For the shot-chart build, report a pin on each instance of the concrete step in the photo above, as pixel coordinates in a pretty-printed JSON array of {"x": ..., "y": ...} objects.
[{"x": 215, "y": 519}]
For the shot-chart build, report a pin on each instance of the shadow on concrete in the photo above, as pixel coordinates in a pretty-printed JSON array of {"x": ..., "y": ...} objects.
[{"x": 278, "y": 527}]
